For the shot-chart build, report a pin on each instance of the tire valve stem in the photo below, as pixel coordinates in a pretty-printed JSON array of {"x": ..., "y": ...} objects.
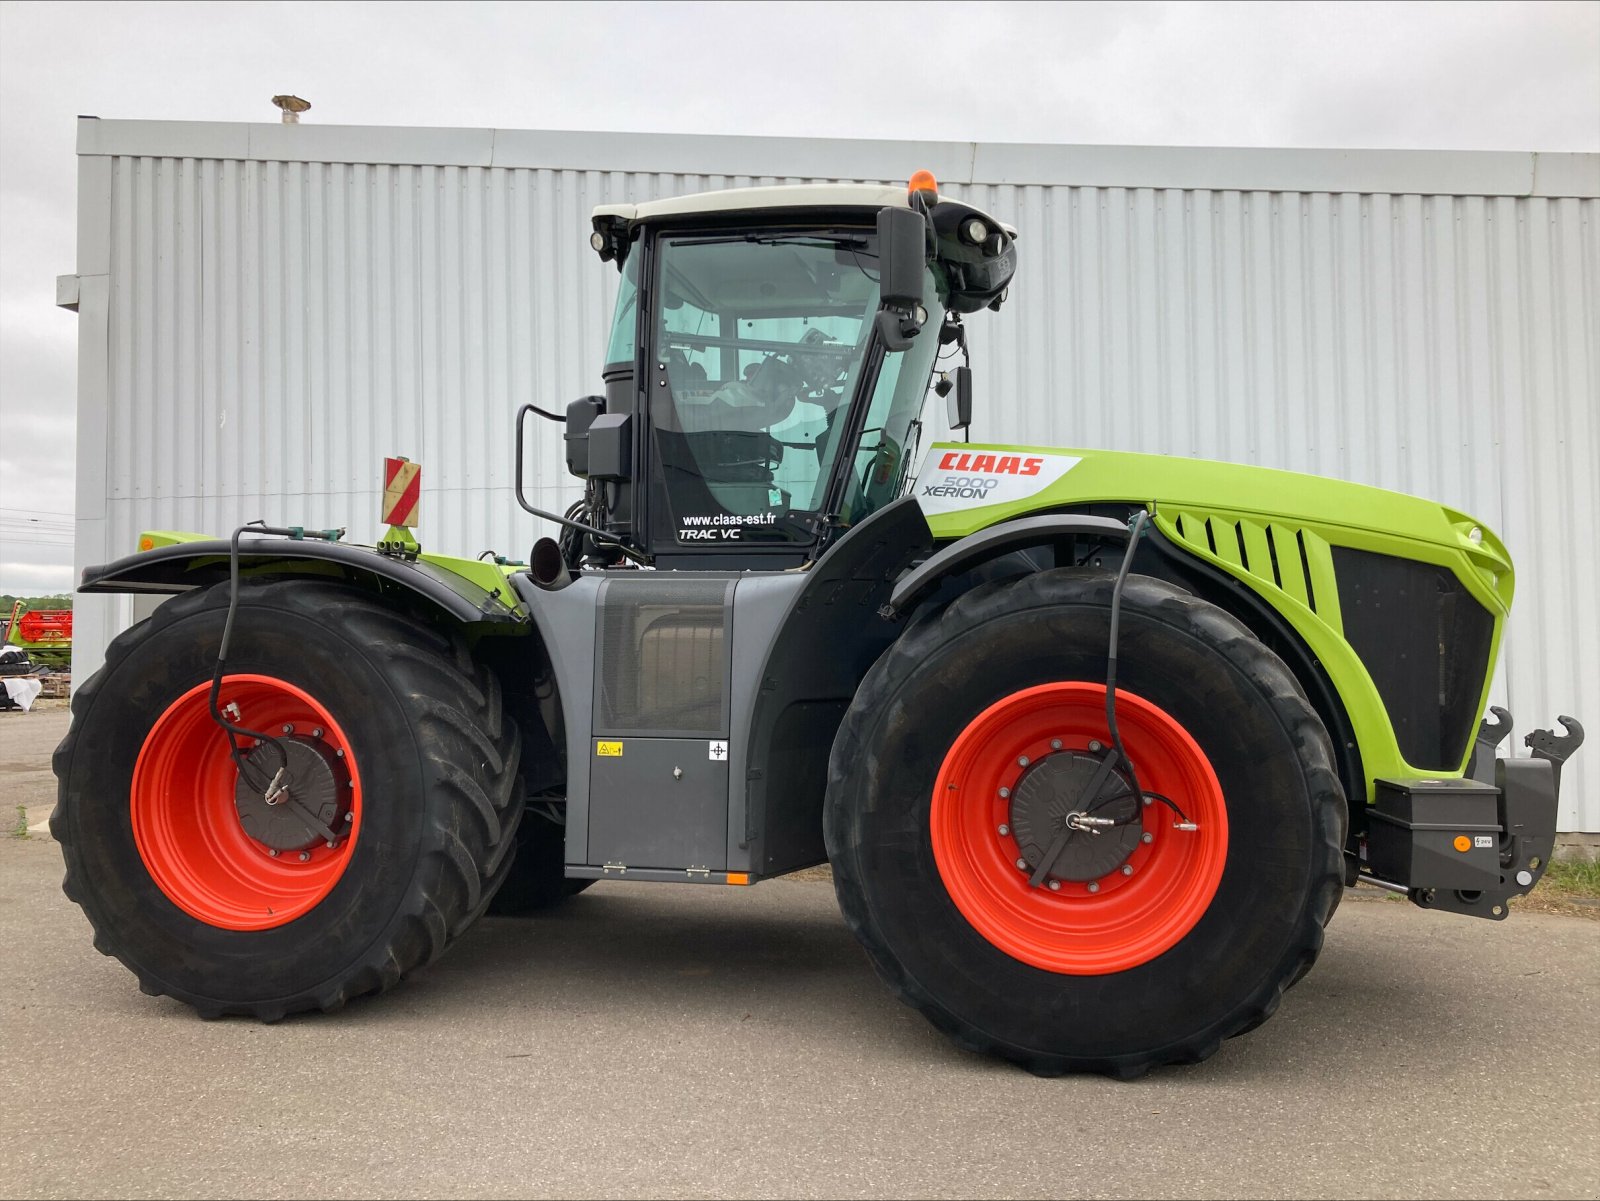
[{"x": 1190, "y": 826}]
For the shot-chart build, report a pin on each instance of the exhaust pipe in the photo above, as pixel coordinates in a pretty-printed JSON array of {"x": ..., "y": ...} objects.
[{"x": 547, "y": 566}]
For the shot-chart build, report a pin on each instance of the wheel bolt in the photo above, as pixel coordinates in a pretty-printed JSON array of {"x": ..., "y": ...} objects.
[
  {"x": 1055, "y": 886},
  {"x": 1022, "y": 865},
  {"x": 1147, "y": 800},
  {"x": 1022, "y": 761},
  {"x": 305, "y": 856},
  {"x": 1005, "y": 792},
  {"x": 1096, "y": 746},
  {"x": 1094, "y": 886},
  {"x": 287, "y": 728},
  {"x": 273, "y": 851},
  {"x": 1004, "y": 829},
  {"x": 317, "y": 733},
  {"x": 1147, "y": 837},
  {"x": 1055, "y": 744},
  {"x": 1127, "y": 869},
  {"x": 339, "y": 754}
]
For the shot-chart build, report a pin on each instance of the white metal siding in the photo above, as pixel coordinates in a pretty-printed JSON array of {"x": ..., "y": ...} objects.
[{"x": 259, "y": 330}]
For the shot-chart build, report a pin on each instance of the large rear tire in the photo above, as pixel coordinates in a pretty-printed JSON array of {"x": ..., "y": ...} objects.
[
  {"x": 538, "y": 877},
  {"x": 198, "y": 889},
  {"x": 955, "y": 770}
]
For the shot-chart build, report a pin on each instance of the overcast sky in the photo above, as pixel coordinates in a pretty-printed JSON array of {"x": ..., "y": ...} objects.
[{"x": 1519, "y": 76}]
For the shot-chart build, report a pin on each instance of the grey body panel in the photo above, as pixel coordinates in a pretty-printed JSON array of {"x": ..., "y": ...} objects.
[
  {"x": 661, "y": 803},
  {"x": 566, "y": 623},
  {"x": 669, "y": 662},
  {"x": 761, "y": 604},
  {"x": 828, "y": 638}
]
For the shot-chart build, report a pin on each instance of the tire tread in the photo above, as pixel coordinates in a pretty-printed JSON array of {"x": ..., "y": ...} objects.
[{"x": 462, "y": 739}]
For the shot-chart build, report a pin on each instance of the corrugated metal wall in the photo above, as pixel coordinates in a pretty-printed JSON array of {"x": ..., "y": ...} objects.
[{"x": 263, "y": 329}]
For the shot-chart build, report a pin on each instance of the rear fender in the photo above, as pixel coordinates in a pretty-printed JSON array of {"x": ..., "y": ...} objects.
[{"x": 469, "y": 592}]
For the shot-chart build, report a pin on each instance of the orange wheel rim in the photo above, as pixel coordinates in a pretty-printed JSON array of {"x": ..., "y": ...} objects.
[
  {"x": 188, "y": 829},
  {"x": 1139, "y": 909}
]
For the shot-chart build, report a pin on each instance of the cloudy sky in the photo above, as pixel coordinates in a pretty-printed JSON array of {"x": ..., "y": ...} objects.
[{"x": 1477, "y": 76}]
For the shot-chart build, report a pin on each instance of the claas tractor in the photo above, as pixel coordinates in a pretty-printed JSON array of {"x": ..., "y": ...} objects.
[{"x": 1092, "y": 741}]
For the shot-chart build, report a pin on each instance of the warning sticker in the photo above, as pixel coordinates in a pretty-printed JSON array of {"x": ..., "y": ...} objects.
[
  {"x": 951, "y": 480},
  {"x": 717, "y": 752},
  {"x": 608, "y": 750},
  {"x": 1483, "y": 840}
]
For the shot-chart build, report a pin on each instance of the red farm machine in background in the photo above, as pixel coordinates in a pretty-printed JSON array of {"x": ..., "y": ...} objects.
[{"x": 45, "y": 634}]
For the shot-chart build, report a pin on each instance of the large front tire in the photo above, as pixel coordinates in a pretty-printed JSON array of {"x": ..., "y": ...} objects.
[
  {"x": 213, "y": 899},
  {"x": 1147, "y": 943}
]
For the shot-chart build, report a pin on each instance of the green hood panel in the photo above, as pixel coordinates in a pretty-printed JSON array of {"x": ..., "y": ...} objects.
[
  {"x": 1159, "y": 480},
  {"x": 1275, "y": 531}
]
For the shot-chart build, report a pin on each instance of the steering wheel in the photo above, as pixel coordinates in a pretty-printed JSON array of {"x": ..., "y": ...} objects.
[{"x": 724, "y": 454}]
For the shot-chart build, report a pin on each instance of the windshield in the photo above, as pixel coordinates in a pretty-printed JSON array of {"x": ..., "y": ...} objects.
[
  {"x": 893, "y": 426},
  {"x": 759, "y": 344}
]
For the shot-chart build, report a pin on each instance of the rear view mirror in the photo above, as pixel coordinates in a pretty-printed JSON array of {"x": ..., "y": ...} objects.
[
  {"x": 902, "y": 257},
  {"x": 958, "y": 404},
  {"x": 902, "y": 264}
]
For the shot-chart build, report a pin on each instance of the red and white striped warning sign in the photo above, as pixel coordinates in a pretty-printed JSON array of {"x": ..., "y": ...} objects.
[{"x": 402, "y": 485}]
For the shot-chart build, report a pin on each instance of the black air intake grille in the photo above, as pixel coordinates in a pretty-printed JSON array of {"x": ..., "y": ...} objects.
[
  {"x": 663, "y": 658},
  {"x": 1425, "y": 642}
]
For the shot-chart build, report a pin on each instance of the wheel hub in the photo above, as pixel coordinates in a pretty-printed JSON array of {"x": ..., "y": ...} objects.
[
  {"x": 1050, "y": 794},
  {"x": 314, "y": 780}
]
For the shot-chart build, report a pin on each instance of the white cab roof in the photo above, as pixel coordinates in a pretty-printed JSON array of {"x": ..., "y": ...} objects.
[{"x": 732, "y": 200}]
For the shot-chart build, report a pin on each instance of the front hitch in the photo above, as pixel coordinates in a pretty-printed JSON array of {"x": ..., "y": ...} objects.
[{"x": 1468, "y": 846}]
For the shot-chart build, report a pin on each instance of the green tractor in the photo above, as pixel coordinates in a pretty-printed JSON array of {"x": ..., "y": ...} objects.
[{"x": 1092, "y": 741}]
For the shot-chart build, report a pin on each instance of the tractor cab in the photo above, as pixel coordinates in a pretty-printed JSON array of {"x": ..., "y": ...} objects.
[{"x": 768, "y": 361}]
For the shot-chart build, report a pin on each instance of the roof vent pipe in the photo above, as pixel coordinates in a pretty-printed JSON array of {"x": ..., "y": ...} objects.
[{"x": 292, "y": 107}]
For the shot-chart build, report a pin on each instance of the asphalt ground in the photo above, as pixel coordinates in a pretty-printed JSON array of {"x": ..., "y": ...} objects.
[{"x": 658, "y": 1041}]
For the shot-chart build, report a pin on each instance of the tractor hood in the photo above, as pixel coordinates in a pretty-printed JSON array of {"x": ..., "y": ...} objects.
[{"x": 964, "y": 487}]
